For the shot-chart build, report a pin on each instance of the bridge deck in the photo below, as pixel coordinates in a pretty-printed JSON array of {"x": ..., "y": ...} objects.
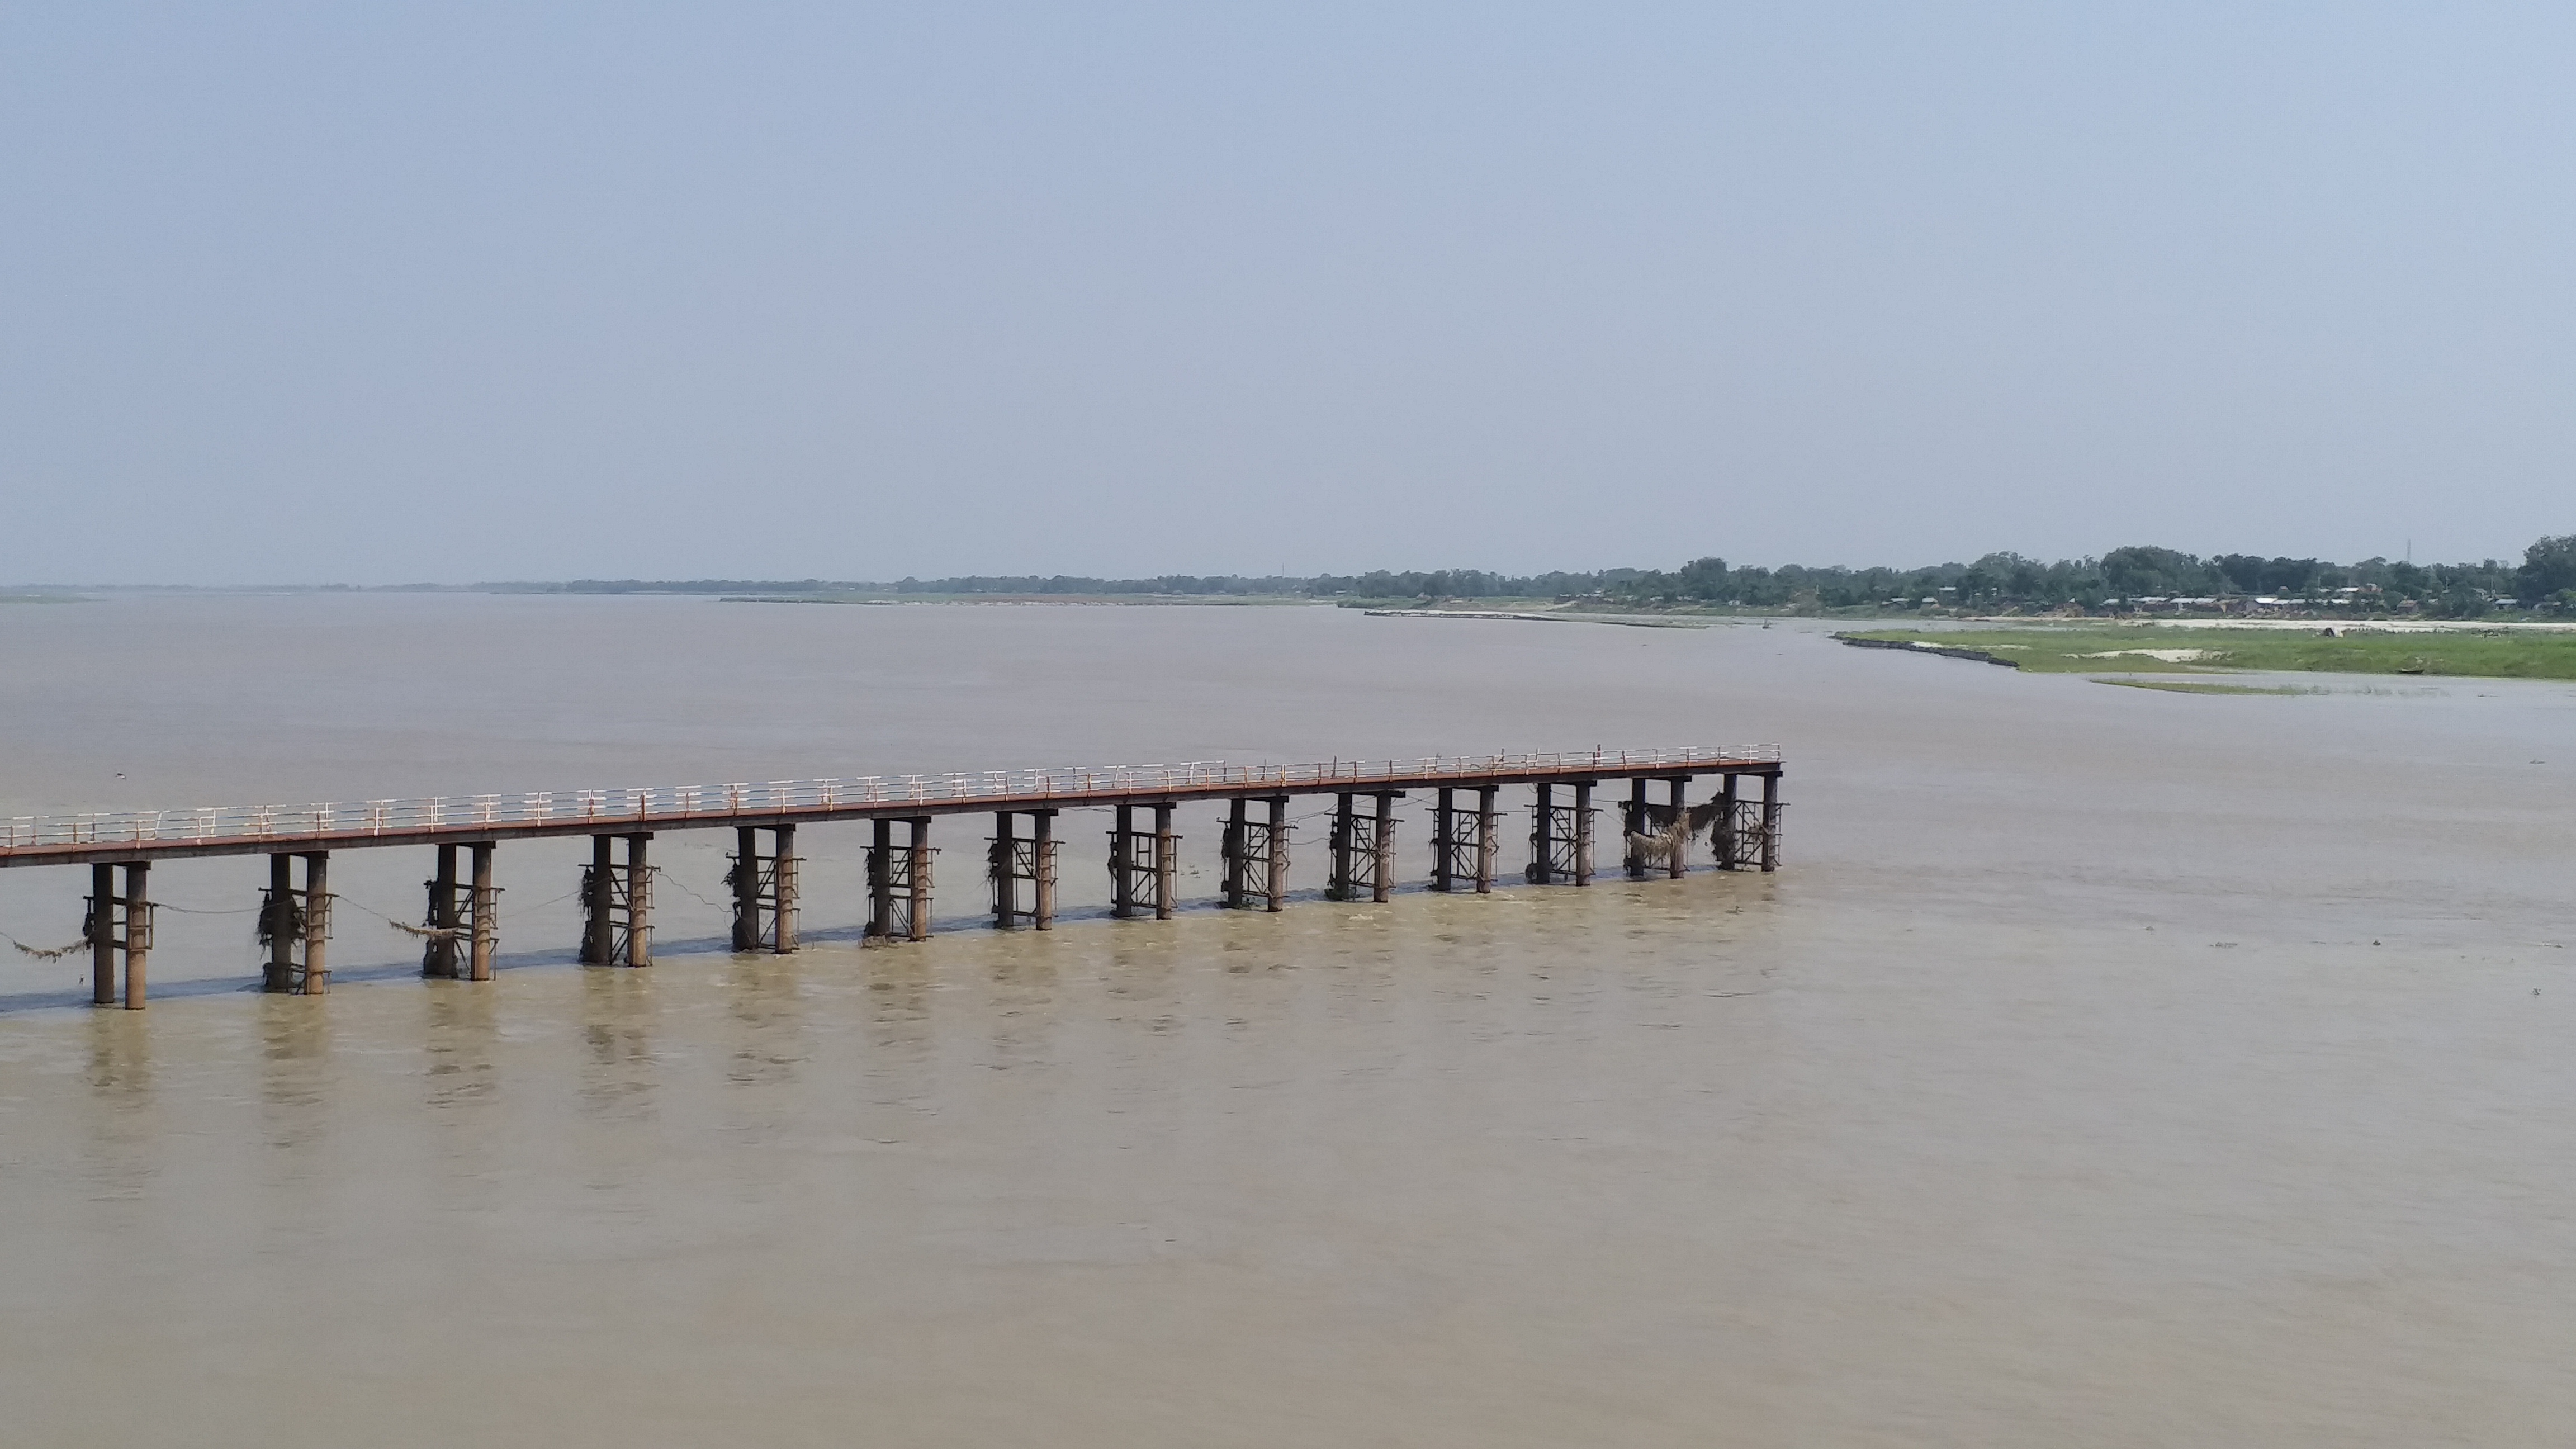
[{"x": 266, "y": 829}]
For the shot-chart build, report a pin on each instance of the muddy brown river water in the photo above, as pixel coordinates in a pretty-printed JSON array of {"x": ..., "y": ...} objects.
[{"x": 2106, "y": 1067}]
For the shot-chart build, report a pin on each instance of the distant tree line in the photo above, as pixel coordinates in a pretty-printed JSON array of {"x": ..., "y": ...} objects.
[{"x": 2544, "y": 582}]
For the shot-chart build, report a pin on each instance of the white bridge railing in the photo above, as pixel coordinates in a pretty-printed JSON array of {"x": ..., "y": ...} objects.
[{"x": 710, "y": 803}]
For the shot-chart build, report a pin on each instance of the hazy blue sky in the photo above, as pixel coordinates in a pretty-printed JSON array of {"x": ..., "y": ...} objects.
[{"x": 445, "y": 291}]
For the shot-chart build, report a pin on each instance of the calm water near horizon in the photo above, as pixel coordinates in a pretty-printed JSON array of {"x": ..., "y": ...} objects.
[{"x": 2105, "y": 1066}]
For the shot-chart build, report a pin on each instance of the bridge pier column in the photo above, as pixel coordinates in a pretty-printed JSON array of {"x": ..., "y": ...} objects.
[
  {"x": 482, "y": 902},
  {"x": 1256, "y": 854},
  {"x": 745, "y": 879},
  {"x": 785, "y": 892},
  {"x": 1122, "y": 863},
  {"x": 899, "y": 881},
  {"x": 1443, "y": 842},
  {"x": 124, "y": 923},
  {"x": 1730, "y": 852},
  {"x": 1635, "y": 816},
  {"x": 278, "y": 921},
  {"x": 1042, "y": 862},
  {"x": 1276, "y": 853},
  {"x": 1238, "y": 824},
  {"x": 1679, "y": 831},
  {"x": 1002, "y": 870},
  {"x": 639, "y": 903},
  {"x": 295, "y": 925},
  {"x": 438, "y": 956},
  {"x": 1485, "y": 841},
  {"x": 881, "y": 875},
  {"x": 764, "y": 889},
  {"x": 1012, "y": 860},
  {"x": 598, "y": 887},
  {"x": 1382, "y": 869},
  {"x": 1542, "y": 866},
  {"x": 617, "y": 903},
  {"x": 1771, "y": 822},
  {"x": 1167, "y": 863},
  {"x": 1583, "y": 832},
  {"x": 1345, "y": 826},
  {"x": 101, "y": 931},
  {"x": 917, "y": 856}
]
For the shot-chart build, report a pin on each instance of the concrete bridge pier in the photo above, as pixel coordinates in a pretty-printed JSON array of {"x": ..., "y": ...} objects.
[
  {"x": 438, "y": 956},
  {"x": 1256, "y": 854},
  {"x": 765, "y": 890},
  {"x": 120, "y": 932},
  {"x": 1363, "y": 847},
  {"x": 1463, "y": 853},
  {"x": 617, "y": 903},
  {"x": 1679, "y": 860},
  {"x": 1443, "y": 845},
  {"x": 1633, "y": 817},
  {"x": 1770, "y": 822},
  {"x": 1167, "y": 863},
  {"x": 899, "y": 881},
  {"x": 482, "y": 907},
  {"x": 1013, "y": 860},
  {"x": 295, "y": 924},
  {"x": 1561, "y": 837}
]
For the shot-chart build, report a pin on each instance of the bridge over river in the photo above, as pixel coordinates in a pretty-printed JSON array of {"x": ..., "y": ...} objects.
[{"x": 459, "y": 930}]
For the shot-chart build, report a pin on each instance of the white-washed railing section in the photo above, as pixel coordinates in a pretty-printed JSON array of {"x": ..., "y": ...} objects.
[{"x": 461, "y": 813}]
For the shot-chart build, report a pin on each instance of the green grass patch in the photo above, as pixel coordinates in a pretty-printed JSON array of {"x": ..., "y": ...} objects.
[{"x": 2151, "y": 649}]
